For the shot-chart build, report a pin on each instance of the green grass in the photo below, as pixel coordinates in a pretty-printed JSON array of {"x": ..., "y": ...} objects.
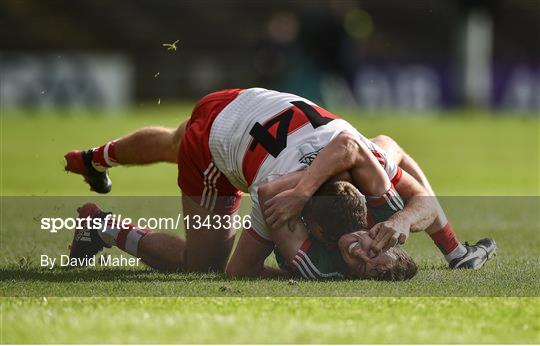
[
  {"x": 469, "y": 155},
  {"x": 466, "y": 155},
  {"x": 275, "y": 320}
]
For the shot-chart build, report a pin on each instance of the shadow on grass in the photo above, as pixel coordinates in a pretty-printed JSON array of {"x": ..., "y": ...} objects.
[{"x": 105, "y": 274}]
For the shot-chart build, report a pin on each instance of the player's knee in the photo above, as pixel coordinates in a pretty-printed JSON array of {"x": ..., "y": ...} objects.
[
  {"x": 384, "y": 141},
  {"x": 389, "y": 145},
  {"x": 381, "y": 138}
]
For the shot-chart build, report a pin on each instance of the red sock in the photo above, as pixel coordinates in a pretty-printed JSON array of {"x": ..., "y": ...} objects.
[
  {"x": 104, "y": 156},
  {"x": 445, "y": 239}
]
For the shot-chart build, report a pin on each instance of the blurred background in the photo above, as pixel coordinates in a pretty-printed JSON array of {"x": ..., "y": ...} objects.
[
  {"x": 455, "y": 82},
  {"x": 402, "y": 56}
]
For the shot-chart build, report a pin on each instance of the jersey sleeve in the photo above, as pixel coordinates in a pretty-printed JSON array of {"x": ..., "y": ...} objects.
[
  {"x": 382, "y": 208},
  {"x": 314, "y": 261}
]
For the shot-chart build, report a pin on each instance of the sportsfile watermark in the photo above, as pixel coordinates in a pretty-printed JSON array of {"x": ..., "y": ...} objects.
[
  {"x": 110, "y": 220},
  {"x": 38, "y": 235}
]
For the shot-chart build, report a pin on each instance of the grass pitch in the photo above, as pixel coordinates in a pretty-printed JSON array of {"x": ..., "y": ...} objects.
[{"x": 469, "y": 155}]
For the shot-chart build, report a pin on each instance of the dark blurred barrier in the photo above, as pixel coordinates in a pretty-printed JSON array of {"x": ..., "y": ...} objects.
[
  {"x": 426, "y": 85},
  {"x": 65, "y": 80},
  {"x": 415, "y": 55}
]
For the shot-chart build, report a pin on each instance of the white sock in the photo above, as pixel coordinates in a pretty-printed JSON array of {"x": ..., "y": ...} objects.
[
  {"x": 459, "y": 251},
  {"x": 125, "y": 238},
  {"x": 102, "y": 157}
]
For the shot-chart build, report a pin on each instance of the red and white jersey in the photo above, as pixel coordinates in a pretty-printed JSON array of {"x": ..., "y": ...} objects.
[{"x": 264, "y": 134}]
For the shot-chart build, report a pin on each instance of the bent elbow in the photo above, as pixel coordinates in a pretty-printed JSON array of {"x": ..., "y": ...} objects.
[
  {"x": 346, "y": 140},
  {"x": 350, "y": 148}
]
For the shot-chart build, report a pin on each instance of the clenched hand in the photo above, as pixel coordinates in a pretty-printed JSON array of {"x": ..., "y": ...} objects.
[
  {"x": 283, "y": 207},
  {"x": 388, "y": 234}
]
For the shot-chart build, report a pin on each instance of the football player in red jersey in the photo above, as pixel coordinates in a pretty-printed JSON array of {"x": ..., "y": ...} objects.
[{"x": 237, "y": 141}]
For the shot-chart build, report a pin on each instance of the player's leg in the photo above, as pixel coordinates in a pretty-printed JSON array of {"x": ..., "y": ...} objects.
[
  {"x": 440, "y": 231},
  {"x": 209, "y": 200},
  {"x": 207, "y": 248},
  {"x": 160, "y": 251},
  {"x": 149, "y": 145},
  {"x": 249, "y": 256},
  {"x": 144, "y": 146}
]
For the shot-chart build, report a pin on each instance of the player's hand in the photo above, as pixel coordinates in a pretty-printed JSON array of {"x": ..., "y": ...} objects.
[
  {"x": 388, "y": 234},
  {"x": 284, "y": 207}
]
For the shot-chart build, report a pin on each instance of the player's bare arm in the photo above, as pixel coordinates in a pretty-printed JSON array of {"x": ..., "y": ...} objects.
[
  {"x": 419, "y": 213},
  {"x": 247, "y": 260},
  {"x": 409, "y": 165},
  {"x": 288, "y": 237},
  {"x": 250, "y": 253},
  {"x": 295, "y": 243},
  {"x": 343, "y": 154}
]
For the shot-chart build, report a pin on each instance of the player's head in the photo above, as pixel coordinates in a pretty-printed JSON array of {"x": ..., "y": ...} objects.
[
  {"x": 391, "y": 265},
  {"x": 336, "y": 208}
]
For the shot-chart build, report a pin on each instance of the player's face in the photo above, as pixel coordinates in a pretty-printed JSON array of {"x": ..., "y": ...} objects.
[{"x": 361, "y": 261}]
